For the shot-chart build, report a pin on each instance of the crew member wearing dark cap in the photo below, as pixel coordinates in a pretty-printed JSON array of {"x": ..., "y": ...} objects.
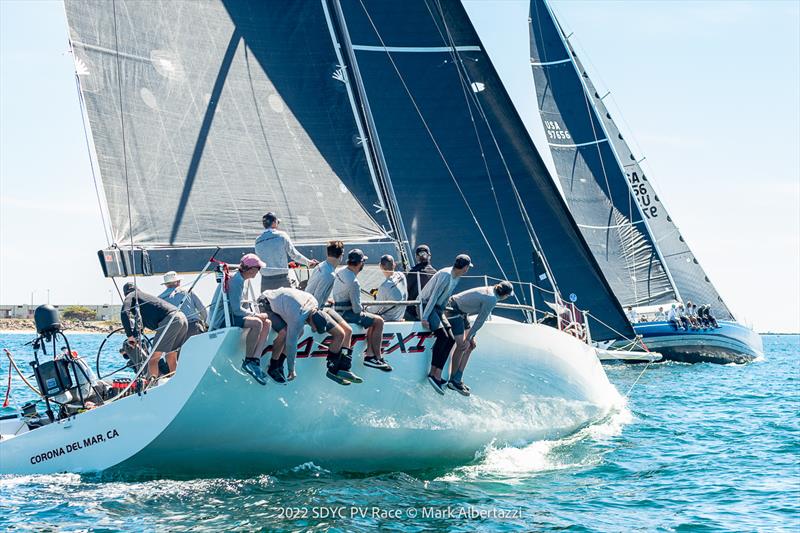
[
  {"x": 347, "y": 302},
  {"x": 479, "y": 301},
  {"x": 434, "y": 297},
  {"x": 417, "y": 277},
  {"x": 275, "y": 247},
  {"x": 141, "y": 310}
]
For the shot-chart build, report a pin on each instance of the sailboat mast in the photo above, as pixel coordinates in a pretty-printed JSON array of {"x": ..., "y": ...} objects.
[
  {"x": 571, "y": 54},
  {"x": 371, "y": 139}
]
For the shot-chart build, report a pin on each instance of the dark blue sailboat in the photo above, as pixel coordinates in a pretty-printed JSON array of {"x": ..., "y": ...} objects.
[{"x": 643, "y": 255}]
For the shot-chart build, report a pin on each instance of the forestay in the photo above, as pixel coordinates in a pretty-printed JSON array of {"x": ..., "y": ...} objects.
[
  {"x": 465, "y": 173},
  {"x": 207, "y": 114},
  {"x": 592, "y": 178}
]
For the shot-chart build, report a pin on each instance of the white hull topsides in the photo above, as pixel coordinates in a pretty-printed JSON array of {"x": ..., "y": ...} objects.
[{"x": 529, "y": 382}]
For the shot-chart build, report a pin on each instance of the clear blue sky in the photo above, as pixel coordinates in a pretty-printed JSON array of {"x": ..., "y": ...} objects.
[{"x": 709, "y": 90}]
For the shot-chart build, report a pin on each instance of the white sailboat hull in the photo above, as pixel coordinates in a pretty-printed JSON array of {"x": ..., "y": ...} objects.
[{"x": 528, "y": 382}]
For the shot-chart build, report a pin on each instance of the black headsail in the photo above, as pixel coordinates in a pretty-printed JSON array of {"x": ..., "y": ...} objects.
[
  {"x": 465, "y": 174},
  {"x": 691, "y": 281},
  {"x": 591, "y": 176},
  {"x": 207, "y": 114}
]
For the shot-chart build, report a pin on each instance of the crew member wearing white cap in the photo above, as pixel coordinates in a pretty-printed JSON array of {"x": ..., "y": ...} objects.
[
  {"x": 347, "y": 302},
  {"x": 190, "y": 304},
  {"x": 274, "y": 247},
  {"x": 256, "y": 324},
  {"x": 434, "y": 298},
  {"x": 479, "y": 301}
]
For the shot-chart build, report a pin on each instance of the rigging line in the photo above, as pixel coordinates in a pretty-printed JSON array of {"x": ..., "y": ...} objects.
[
  {"x": 433, "y": 139},
  {"x": 520, "y": 204},
  {"x": 82, "y": 105},
  {"x": 124, "y": 145},
  {"x": 464, "y": 89},
  {"x": 622, "y": 335}
]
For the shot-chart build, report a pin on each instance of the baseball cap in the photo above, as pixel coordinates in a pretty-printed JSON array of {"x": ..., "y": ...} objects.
[
  {"x": 505, "y": 288},
  {"x": 252, "y": 260},
  {"x": 423, "y": 249},
  {"x": 269, "y": 219},
  {"x": 356, "y": 256},
  {"x": 462, "y": 260},
  {"x": 128, "y": 288}
]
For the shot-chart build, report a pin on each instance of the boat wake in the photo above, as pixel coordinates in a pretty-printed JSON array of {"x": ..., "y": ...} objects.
[{"x": 508, "y": 462}]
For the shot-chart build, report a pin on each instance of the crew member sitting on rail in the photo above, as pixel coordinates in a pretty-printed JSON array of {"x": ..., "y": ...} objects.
[
  {"x": 434, "y": 297},
  {"x": 710, "y": 317},
  {"x": 633, "y": 317},
  {"x": 290, "y": 310},
  {"x": 153, "y": 313},
  {"x": 393, "y": 289},
  {"x": 190, "y": 305},
  {"x": 243, "y": 316},
  {"x": 320, "y": 285},
  {"x": 347, "y": 301},
  {"x": 673, "y": 318},
  {"x": 479, "y": 301},
  {"x": 419, "y": 275},
  {"x": 691, "y": 314},
  {"x": 660, "y": 316},
  {"x": 274, "y": 247},
  {"x": 683, "y": 318}
]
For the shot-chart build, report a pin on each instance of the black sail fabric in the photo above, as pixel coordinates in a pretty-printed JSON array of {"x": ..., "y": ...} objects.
[
  {"x": 465, "y": 173},
  {"x": 591, "y": 177},
  {"x": 207, "y": 114},
  {"x": 691, "y": 281}
]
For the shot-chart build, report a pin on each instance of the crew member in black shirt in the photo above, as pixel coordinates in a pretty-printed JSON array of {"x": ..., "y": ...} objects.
[
  {"x": 141, "y": 310},
  {"x": 418, "y": 277}
]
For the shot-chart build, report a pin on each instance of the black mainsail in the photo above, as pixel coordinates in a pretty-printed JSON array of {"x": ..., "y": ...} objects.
[
  {"x": 562, "y": 83},
  {"x": 591, "y": 176}
]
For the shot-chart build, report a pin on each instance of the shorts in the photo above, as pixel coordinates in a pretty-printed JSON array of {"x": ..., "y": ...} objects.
[
  {"x": 437, "y": 319},
  {"x": 363, "y": 318},
  {"x": 269, "y": 283},
  {"x": 171, "y": 332},
  {"x": 196, "y": 327},
  {"x": 321, "y": 321},
  {"x": 459, "y": 322},
  {"x": 278, "y": 323},
  {"x": 336, "y": 317}
]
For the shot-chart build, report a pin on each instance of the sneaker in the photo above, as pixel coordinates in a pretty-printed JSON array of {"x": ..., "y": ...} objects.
[
  {"x": 376, "y": 362},
  {"x": 253, "y": 367},
  {"x": 337, "y": 378},
  {"x": 458, "y": 387},
  {"x": 276, "y": 374},
  {"x": 349, "y": 376},
  {"x": 437, "y": 384}
]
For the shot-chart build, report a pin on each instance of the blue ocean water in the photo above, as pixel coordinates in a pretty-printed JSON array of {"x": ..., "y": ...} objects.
[{"x": 699, "y": 447}]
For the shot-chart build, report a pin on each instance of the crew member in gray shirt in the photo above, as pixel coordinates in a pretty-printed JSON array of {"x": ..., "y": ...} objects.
[
  {"x": 289, "y": 311},
  {"x": 393, "y": 289},
  {"x": 190, "y": 305},
  {"x": 320, "y": 285},
  {"x": 434, "y": 298},
  {"x": 479, "y": 301},
  {"x": 347, "y": 301},
  {"x": 275, "y": 247}
]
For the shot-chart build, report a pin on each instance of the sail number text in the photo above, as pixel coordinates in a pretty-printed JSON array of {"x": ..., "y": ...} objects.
[
  {"x": 554, "y": 130},
  {"x": 639, "y": 187}
]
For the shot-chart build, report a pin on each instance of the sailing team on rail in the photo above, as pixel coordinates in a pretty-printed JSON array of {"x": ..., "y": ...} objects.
[{"x": 330, "y": 303}]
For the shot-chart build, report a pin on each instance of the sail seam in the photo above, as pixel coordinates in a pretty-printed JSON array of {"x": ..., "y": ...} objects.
[
  {"x": 590, "y": 143},
  {"x": 547, "y": 63},
  {"x": 434, "y": 49}
]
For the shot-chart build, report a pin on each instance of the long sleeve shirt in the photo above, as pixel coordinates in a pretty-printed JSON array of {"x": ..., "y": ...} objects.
[
  {"x": 192, "y": 306},
  {"x": 672, "y": 314},
  {"x": 347, "y": 291},
  {"x": 150, "y": 309},
  {"x": 320, "y": 284},
  {"x": 293, "y": 306},
  {"x": 437, "y": 291},
  {"x": 237, "y": 304},
  {"x": 479, "y": 301},
  {"x": 393, "y": 288},
  {"x": 275, "y": 247}
]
